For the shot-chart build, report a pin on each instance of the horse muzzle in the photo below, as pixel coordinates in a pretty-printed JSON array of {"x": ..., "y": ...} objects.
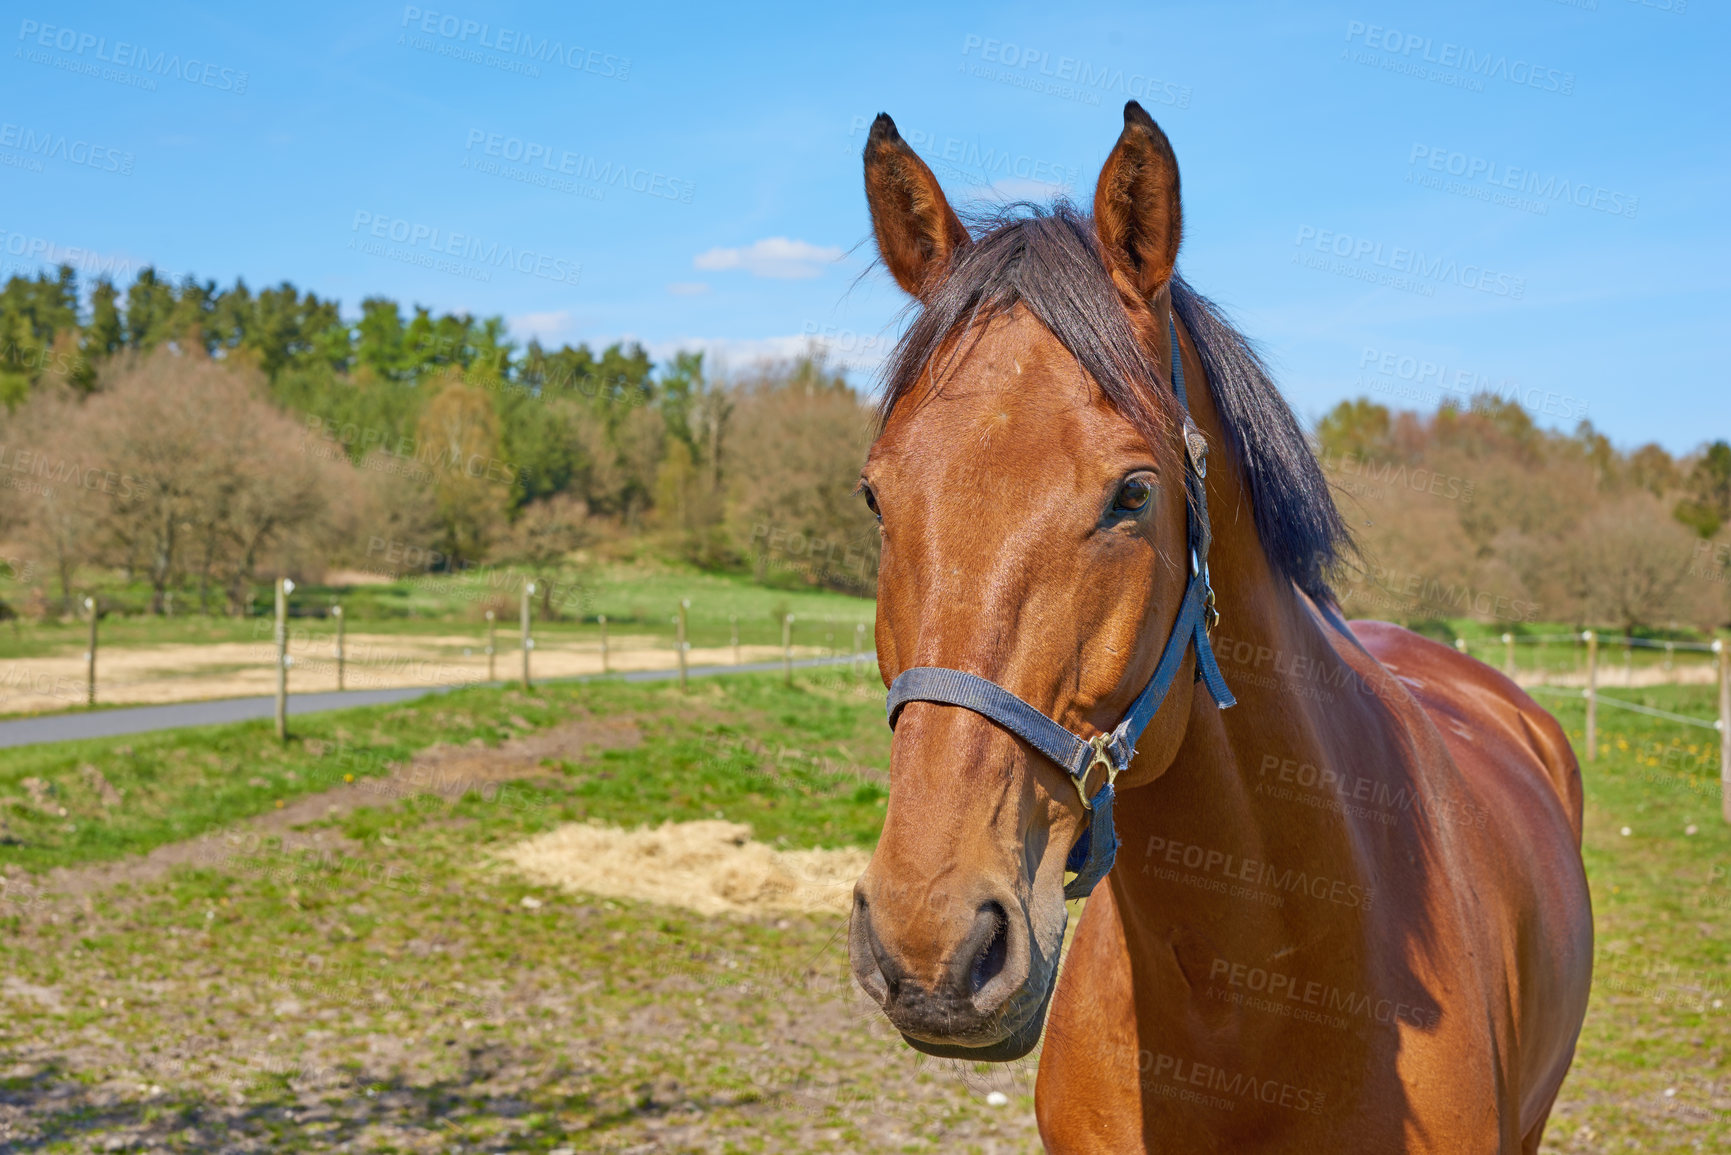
[{"x": 983, "y": 996}]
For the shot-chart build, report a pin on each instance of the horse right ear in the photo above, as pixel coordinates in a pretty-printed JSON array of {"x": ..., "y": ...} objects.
[
  {"x": 1137, "y": 213},
  {"x": 918, "y": 234}
]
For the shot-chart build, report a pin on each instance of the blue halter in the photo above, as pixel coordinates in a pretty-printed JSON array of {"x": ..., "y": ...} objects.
[{"x": 1092, "y": 855}]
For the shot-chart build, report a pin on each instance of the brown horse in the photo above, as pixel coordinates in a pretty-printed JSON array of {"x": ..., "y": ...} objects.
[{"x": 1349, "y": 914}]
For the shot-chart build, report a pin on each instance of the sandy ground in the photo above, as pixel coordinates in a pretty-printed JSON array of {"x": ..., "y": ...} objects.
[{"x": 149, "y": 675}]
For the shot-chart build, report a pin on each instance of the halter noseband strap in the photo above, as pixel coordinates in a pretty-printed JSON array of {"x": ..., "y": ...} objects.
[{"x": 1094, "y": 852}]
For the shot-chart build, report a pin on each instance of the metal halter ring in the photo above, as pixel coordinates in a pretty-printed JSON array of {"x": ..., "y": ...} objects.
[{"x": 1099, "y": 742}]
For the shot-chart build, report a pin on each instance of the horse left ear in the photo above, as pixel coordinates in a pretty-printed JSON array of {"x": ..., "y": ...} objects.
[
  {"x": 1136, "y": 207},
  {"x": 918, "y": 233}
]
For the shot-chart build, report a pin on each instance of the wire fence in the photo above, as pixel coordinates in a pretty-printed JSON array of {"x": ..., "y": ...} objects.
[{"x": 1574, "y": 661}]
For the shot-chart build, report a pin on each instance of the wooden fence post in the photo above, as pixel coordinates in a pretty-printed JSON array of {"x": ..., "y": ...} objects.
[
  {"x": 284, "y": 587},
  {"x": 1592, "y": 640},
  {"x": 90, "y": 673},
  {"x": 337, "y": 612},
  {"x": 602, "y": 618},
  {"x": 491, "y": 647},
  {"x": 787, "y": 649},
  {"x": 684, "y": 605},
  {"x": 1724, "y": 652},
  {"x": 1509, "y": 655},
  {"x": 528, "y": 642}
]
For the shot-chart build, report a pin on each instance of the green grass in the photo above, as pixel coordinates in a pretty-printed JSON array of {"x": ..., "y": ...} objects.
[
  {"x": 1660, "y": 1016},
  {"x": 816, "y": 783},
  {"x": 587, "y": 1022}
]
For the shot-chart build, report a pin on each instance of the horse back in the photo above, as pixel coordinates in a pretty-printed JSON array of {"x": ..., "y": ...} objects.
[{"x": 1488, "y": 721}]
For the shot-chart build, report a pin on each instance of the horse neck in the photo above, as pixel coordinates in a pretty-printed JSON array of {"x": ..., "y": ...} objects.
[{"x": 1231, "y": 797}]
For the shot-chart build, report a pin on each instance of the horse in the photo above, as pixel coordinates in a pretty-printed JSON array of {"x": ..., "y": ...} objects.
[{"x": 1349, "y": 913}]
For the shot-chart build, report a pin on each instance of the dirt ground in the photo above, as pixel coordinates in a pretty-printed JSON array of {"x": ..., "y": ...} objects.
[
  {"x": 146, "y": 675},
  {"x": 252, "y": 1005}
]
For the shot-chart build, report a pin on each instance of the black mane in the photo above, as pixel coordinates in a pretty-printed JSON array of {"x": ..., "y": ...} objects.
[{"x": 1047, "y": 259}]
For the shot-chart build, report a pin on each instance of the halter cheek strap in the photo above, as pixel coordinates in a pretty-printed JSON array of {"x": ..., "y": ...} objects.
[{"x": 1092, "y": 855}]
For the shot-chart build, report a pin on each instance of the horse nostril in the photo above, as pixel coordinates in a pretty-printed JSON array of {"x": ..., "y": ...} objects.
[{"x": 989, "y": 963}]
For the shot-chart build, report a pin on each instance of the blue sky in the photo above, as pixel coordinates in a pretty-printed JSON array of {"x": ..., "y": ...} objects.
[{"x": 1405, "y": 201}]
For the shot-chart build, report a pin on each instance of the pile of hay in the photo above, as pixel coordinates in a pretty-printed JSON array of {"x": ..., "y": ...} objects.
[{"x": 710, "y": 867}]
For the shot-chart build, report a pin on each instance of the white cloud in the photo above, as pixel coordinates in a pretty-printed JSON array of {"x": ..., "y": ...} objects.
[
  {"x": 548, "y": 328},
  {"x": 688, "y": 288},
  {"x": 777, "y": 257}
]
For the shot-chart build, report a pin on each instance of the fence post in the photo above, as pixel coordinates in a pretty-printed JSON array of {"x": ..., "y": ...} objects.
[
  {"x": 284, "y": 587},
  {"x": 1509, "y": 655},
  {"x": 1461, "y": 645},
  {"x": 684, "y": 605},
  {"x": 858, "y": 648},
  {"x": 787, "y": 649},
  {"x": 1670, "y": 654},
  {"x": 734, "y": 620},
  {"x": 1724, "y": 652},
  {"x": 1592, "y": 640},
  {"x": 528, "y": 642},
  {"x": 1543, "y": 675},
  {"x": 602, "y": 618},
  {"x": 337, "y": 612},
  {"x": 491, "y": 648},
  {"x": 90, "y": 674}
]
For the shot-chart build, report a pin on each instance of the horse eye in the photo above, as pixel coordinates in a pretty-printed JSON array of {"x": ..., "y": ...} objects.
[
  {"x": 1133, "y": 495},
  {"x": 871, "y": 501}
]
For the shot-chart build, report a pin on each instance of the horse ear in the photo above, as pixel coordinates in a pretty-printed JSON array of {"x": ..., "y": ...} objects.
[
  {"x": 917, "y": 231},
  {"x": 1136, "y": 208}
]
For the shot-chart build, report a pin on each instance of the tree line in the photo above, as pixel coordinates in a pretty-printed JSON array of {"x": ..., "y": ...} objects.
[
  {"x": 1476, "y": 506},
  {"x": 193, "y": 437}
]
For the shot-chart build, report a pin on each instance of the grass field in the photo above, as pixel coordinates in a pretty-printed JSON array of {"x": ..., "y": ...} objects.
[{"x": 224, "y": 945}]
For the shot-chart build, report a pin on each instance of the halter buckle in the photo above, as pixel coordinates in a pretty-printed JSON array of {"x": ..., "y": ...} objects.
[
  {"x": 1098, "y": 743},
  {"x": 1210, "y": 615}
]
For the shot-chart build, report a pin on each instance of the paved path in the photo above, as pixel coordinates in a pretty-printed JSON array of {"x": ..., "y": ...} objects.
[{"x": 143, "y": 719}]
